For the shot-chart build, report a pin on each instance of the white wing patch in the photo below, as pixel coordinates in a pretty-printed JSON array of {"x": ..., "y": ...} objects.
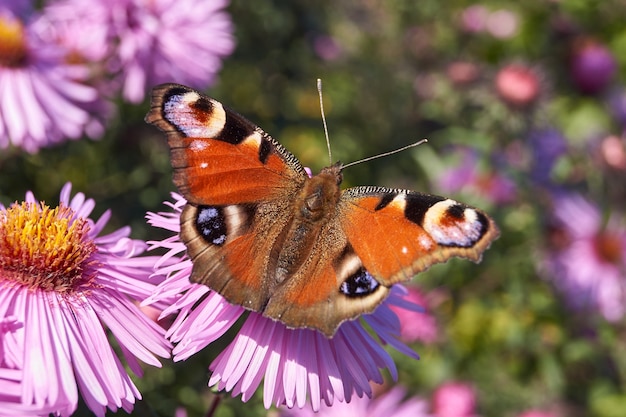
[
  {"x": 463, "y": 232},
  {"x": 177, "y": 109}
]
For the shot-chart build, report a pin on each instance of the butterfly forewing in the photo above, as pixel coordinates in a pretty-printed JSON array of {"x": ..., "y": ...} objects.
[{"x": 218, "y": 157}]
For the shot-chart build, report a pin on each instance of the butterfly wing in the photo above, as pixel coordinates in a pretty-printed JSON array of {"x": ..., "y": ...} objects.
[
  {"x": 219, "y": 157},
  {"x": 239, "y": 183},
  {"x": 398, "y": 233},
  {"x": 376, "y": 238}
]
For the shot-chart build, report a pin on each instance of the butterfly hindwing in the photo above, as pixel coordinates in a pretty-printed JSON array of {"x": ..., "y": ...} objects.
[{"x": 409, "y": 231}]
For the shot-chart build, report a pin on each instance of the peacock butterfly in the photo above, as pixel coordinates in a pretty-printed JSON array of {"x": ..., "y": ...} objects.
[{"x": 297, "y": 249}]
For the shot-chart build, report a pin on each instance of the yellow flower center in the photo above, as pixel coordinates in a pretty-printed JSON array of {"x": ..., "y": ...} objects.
[
  {"x": 44, "y": 248},
  {"x": 12, "y": 43}
]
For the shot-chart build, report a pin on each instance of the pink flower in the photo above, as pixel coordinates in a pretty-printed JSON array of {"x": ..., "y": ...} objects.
[
  {"x": 416, "y": 324},
  {"x": 588, "y": 263},
  {"x": 156, "y": 41},
  {"x": 61, "y": 283},
  {"x": 388, "y": 404},
  {"x": 517, "y": 84},
  {"x": 469, "y": 177},
  {"x": 537, "y": 413},
  {"x": 298, "y": 366},
  {"x": 44, "y": 99},
  {"x": 454, "y": 399}
]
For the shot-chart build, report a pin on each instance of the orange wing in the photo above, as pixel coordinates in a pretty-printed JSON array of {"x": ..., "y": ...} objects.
[
  {"x": 218, "y": 156},
  {"x": 398, "y": 233}
]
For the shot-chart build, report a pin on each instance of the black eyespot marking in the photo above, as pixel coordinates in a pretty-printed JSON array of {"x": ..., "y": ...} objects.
[
  {"x": 418, "y": 205},
  {"x": 264, "y": 150},
  {"x": 235, "y": 129},
  {"x": 211, "y": 224},
  {"x": 384, "y": 202},
  {"x": 457, "y": 211},
  {"x": 203, "y": 105},
  {"x": 359, "y": 284}
]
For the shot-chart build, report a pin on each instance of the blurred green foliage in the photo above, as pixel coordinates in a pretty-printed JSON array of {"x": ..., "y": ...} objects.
[{"x": 385, "y": 67}]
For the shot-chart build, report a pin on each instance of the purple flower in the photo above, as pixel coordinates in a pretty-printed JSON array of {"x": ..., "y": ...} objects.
[
  {"x": 297, "y": 365},
  {"x": 157, "y": 41},
  {"x": 416, "y": 324},
  {"x": 546, "y": 147},
  {"x": 593, "y": 67},
  {"x": 617, "y": 105},
  {"x": 588, "y": 263},
  {"x": 468, "y": 176},
  {"x": 61, "y": 283},
  {"x": 44, "y": 98},
  {"x": 388, "y": 404}
]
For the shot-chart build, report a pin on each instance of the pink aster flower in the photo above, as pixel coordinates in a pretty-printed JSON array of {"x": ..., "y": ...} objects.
[
  {"x": 44, "y": 99},
  {"x": 454, "y": 399},
  {"x": 416, "y": 324},
  {"x": 537, "y": 413},
  {"x": 298, "y": 366},
  {"x": 589, "y": 261},
  {"x": 469, "y": 177},
  {"x": 156, "y": 41},
  {"x": 63, "y": 287},
  {"x": 388, "y": 404}
]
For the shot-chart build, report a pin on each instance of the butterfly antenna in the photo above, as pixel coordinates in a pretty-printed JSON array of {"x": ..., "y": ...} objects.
[
  {"x": 412, "y": 145},
  {"x": 319, "y": 91}
]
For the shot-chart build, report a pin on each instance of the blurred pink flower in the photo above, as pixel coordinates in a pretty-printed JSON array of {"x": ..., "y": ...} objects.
[
  {"x": 327, "y": 48},
  {"x": 468, "y": 177},
  {"x": 297, "y": 365},
  {"x": 454, "y": 399},
  {"x": 589, "y": 262},
  {"x": 44, "y": 98},
  {"x": 537, "y": 413},
  {"x": 474, "y": 18},
  {"x": 387, "y": 404},
  {"x": 156, "y": 41},
  {"x": 502, "y": 24},
  {"x": 517, "y": 84},
  {"x": 416, "y": 324},
  {"x": 63, "y": 287}
]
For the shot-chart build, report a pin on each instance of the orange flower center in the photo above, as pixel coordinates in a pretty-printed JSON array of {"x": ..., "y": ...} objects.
[
  {"x": 609, "y": 248},
  {"x": 12, "y": 43},
  {"x": 44, "y": 248}
]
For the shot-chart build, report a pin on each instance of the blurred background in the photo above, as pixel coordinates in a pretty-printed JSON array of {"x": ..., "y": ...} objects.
[{"x": 524, "y": 108}]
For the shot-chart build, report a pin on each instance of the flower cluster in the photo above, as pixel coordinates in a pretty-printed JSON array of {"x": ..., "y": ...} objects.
[{"x": 61, "y": 64}]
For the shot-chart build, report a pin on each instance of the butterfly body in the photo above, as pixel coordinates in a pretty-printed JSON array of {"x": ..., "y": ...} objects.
[{"x": 296, "y": 249}]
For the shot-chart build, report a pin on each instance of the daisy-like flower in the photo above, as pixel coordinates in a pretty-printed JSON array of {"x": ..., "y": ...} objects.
[
  {"x": 156, "y": 41},
  {"x": 298, "y": 366},
  {"x": 388, "y": 404},
  {"x": 589, "y": 258},
  {"x": 61, "y": 283},
  {"x": 416, "y": 323},
  {"x": 467, "y": 176},
  {"x": 44, "y": 99}
]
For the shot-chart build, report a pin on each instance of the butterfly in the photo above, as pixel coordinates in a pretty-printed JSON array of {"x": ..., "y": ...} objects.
[{"x": 297, "y": 249}]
